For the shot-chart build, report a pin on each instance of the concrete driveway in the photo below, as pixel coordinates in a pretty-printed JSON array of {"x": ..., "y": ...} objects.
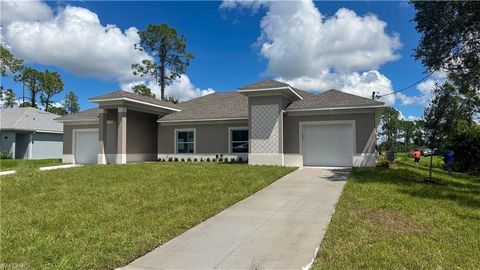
[{"x": 279, "y": 227}]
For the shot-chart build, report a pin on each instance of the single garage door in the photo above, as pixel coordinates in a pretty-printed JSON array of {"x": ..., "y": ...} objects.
[
  {"x": 327, "y": 145},
  {"x": 86, "y": 146}
]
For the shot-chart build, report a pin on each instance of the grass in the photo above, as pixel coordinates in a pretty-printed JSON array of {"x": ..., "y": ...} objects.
[
  {"x": 102, "y": 217},
  {"x": 390, "y": 219},
  {"x": 13, "y": 164}
]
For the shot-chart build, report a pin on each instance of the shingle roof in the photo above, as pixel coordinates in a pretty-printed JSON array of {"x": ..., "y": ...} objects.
[
  {"x": 213, "y": 106},
  {"x": 303, "y": 93},
  {"x": 125, "y": 94},
  {"x": 263, "y": 85},
  {"x": 29, "y": 119},
  {"x": 90, "y": 114},
  {"x": 332, "y": 99}
]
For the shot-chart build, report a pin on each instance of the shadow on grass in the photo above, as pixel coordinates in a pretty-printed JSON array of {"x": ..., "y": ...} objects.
[{"x": 464, "y": 191}]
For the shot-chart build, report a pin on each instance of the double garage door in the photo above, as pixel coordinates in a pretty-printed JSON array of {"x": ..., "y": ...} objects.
[
  {"x": 327, "y": 145},
  {"x": 85, "y": 146}
]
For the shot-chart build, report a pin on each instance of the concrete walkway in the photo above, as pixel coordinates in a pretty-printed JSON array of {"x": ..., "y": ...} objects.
[
  {"x": 279, "y": 227},
  {"x": 47, "y": 168},
  {"x": 7, "y": 172},
  {"x": 56, "y": 167}
]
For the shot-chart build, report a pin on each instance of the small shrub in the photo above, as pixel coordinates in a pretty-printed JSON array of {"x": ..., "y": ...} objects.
[
  {"x": 6, "y": 155},
  {"x": 232, "y": 160},
  {"x": 175, "y": 159},
  {"x": 207, "y": 160},
  {"x": 189, "y": 159},
  {"x": 216, "y": 156},
  {"x": 183, "y": 160},
  {"x": 201, "y": 159},
  {"x": 170, "y": 159},
  {"x": 240, "y": 160},
  {"x": 195, "y": 160},
  {"x": 383, "y": 163}
]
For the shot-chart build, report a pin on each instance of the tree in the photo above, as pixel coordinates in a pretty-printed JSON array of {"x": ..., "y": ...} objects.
[
  {"x": 390, "y": 126},
  {"x": 30, "y": 78},
  {"x": 443, "y": 114},
  {"x": 70, "y": 105},
  {"x": 466, "y": 145},
  {"x": 57, "y": 110},
  {"x": 143, "y": 90},
  {"x": 8, "y": 62},
  {"x": 50, "y": 84},
  {"x": 8, "y": 98},
  {"x": 408, "y": 129},
  {"x": 173, "y": 99},
  {"x": 449, "y": 41},
  {"x": 168, "y": 50},
  {"x": 418, "y": 138}
]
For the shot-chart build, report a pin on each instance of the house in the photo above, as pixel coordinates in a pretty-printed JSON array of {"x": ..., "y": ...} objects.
[
  {"x": 267, "y": 122},
  {"x": 30, "y": 133}
]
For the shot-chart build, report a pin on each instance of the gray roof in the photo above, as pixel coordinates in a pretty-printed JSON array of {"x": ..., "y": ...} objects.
[
  {"x": 29, "y": 119},
  {"x": 90, "y": 114},
  {"x": 303, "y": 93},
  {"x": 212, "y": 106},
  {"x": 125, "y": 94},
  {"x": 232, "y": 104},
  {"x": 263, "y": 85},
  {"x": 333, "y": 99}
]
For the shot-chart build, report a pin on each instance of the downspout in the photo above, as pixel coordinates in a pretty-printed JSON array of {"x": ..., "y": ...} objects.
[{"x": 30, "y": 145}]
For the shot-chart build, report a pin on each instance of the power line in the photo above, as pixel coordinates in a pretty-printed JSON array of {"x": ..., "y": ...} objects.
[{"x": 405, "y": 88}]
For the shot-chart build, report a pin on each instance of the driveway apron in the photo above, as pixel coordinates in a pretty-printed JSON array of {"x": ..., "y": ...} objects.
[{"x": 279, "y": 227}]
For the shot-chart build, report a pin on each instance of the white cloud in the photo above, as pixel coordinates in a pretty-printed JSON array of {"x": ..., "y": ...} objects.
[
  {"x": 355, "y": 83},
  {"x": 413, "y": 118},
  {"x": 14, "y": 10},
  {"x": 76, "y": 41},
  {"x": 250, "y": 4},
  {"x": 315, "y": 52},
  {"x": 409, "y": 118},
  {"x": 181, "y": 88},
  {"x": 426, "y": 90}
]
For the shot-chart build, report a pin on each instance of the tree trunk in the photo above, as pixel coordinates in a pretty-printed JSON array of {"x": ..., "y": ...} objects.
[
  {"x": 33, "y": 94},
  {"x": 47, "y": 103},
  {"x": 163, "y": 60}
]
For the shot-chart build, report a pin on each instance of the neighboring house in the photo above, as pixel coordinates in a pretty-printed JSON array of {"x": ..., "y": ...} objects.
[
  {"x": 30, "y": 133},
  {"x": 268, "y": 122}
]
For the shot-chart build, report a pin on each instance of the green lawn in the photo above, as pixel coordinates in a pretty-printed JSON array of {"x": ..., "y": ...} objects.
[
  {"x": 388, "y": 219},
  {"x": 13, "y": 164},
  {"x": 101, "y": 217}
]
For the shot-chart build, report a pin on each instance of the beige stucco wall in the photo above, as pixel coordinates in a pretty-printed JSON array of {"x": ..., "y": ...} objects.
[
  {"x": 141, "y": 133},
  {"x": 364, "y": 130},
  {"x": 111, "y": 134},
  {"x": 210, "y": 138},
  {"x": 68, "y": 136}
]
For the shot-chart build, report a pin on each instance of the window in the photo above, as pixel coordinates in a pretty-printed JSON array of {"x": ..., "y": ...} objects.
[
  {"x": 239, "y": 140},
  {"x": 185, "y": 141}
]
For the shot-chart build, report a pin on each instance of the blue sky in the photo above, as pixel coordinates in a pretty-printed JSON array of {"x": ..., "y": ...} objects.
[{"x": 225, "y": 42}]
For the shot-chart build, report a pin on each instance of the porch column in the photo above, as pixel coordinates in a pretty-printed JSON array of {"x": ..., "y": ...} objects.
[
  {"x": 102, "y": 131},
  {"x": 122, "y": 136}
]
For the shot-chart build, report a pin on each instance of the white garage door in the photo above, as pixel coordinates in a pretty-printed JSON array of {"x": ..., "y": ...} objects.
[
  {"x": 327, "y": 145},
  {"x": 86, "y": 146}
]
